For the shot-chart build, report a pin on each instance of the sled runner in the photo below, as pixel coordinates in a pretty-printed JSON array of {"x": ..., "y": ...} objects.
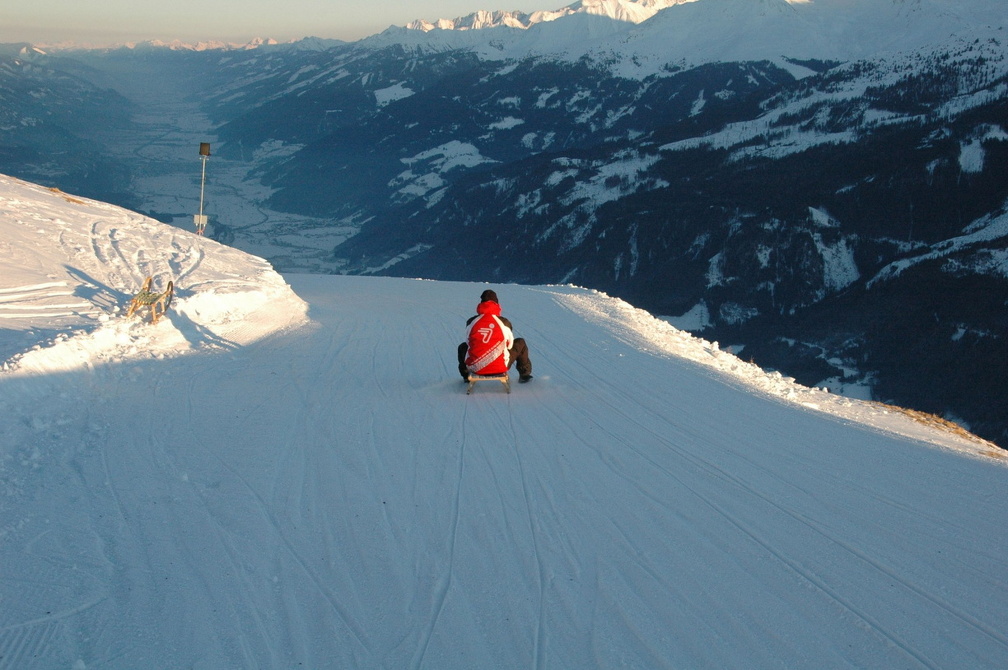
[
  {"x": 502, "y": 378},
  {"x": 157, "y": 302}
]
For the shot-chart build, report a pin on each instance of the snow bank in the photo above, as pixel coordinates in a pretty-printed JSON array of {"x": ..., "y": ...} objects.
[{"x": 73, "y": 264}]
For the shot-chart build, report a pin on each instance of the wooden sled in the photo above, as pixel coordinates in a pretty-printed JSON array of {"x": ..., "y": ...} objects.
[
  {"x": 157, "y": 302},
  {"x": 502, "y": 378}
]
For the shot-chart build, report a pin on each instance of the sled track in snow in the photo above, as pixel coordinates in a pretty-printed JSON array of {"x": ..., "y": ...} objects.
[
  {"x": 810, "y": 576},
  {"x": 538, "y": 648},
  {"x": 43, "y": 301},
  {"x": 444, "y": 581},
  {"x": 676, "y": 443},
  {"x": 348, "y": 621},
  {"x": 24, "y": 643}
]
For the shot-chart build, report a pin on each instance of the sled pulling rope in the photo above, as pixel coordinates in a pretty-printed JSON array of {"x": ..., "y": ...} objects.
[{"x": 157, "y": 302}]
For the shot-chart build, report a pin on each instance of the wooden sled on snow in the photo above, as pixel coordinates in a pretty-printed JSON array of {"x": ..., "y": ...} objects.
[
  {"x": 157, "y": 302},
  {"x": 502, "y": 378}
]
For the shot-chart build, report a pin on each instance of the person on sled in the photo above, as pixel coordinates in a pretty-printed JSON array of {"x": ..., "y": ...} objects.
[{"x": 491, "y": 347}]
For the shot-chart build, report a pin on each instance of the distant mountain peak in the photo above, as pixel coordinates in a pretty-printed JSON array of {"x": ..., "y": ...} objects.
[
  {"x": 179, "y": 45},
  {"x": 631, "y": 11}
]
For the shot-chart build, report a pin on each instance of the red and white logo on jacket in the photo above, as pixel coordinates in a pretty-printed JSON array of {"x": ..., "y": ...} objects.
[{"x": 489, "y": 341}]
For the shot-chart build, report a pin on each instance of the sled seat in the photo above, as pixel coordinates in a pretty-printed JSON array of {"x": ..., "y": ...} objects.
[
  {"x": 157, "y": 302},
  {"x": 502, "y": 378}
]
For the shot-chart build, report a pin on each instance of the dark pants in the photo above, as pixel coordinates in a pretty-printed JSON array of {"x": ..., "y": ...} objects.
[{"x": 519, "y": 357}]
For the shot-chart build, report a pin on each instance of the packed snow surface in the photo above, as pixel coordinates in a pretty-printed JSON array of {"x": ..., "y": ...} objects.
[{"x": 286, "y": 472}]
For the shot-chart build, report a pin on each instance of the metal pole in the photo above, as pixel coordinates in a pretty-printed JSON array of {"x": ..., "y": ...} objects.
[
  {"x": 200, "y": 218},
  {"x": 202, "y": 184}
]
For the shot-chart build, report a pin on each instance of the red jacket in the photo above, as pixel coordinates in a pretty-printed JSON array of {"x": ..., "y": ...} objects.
[{"x": 490, "y": 340}]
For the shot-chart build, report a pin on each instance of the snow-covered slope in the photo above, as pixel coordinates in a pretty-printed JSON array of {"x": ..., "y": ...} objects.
[
  {"x": 70, "y": 265},
  {"x": 241, "y": 486}
]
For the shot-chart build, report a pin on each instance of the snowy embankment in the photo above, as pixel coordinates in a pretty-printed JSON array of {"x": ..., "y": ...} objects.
[{"x": 293, "y": 476}]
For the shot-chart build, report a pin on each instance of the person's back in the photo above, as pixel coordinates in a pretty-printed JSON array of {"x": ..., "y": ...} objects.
[
  {"x": 489, "y": 340},
  {"x": 491, "y": 347}
]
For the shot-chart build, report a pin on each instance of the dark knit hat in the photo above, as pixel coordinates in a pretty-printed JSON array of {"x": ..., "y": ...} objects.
[{"x": 488, "y": 295}]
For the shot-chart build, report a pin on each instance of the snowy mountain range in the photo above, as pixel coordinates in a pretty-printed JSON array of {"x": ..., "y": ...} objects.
[
  {"x": 633, "y": 11},
  {"x": 818, "y": 185},
  {"x": 638, "y": 39},
  {"x": 279, "y": 474}
]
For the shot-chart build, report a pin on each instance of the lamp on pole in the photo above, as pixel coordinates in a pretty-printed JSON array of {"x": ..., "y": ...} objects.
[{"x": 200, "y": 219}]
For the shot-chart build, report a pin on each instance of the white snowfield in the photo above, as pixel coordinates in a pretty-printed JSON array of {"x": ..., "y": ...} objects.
[{"x": 282, "y": 476}]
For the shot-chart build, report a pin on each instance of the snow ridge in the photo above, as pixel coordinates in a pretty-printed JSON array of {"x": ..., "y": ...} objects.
[
  {"x": 645, "y": 38},
  {"x": 631, "y": 11},
  {"x": 105, "y": 254}
]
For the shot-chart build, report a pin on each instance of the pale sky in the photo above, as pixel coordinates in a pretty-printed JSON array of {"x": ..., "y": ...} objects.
[{"x": 103, "y": 22}]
